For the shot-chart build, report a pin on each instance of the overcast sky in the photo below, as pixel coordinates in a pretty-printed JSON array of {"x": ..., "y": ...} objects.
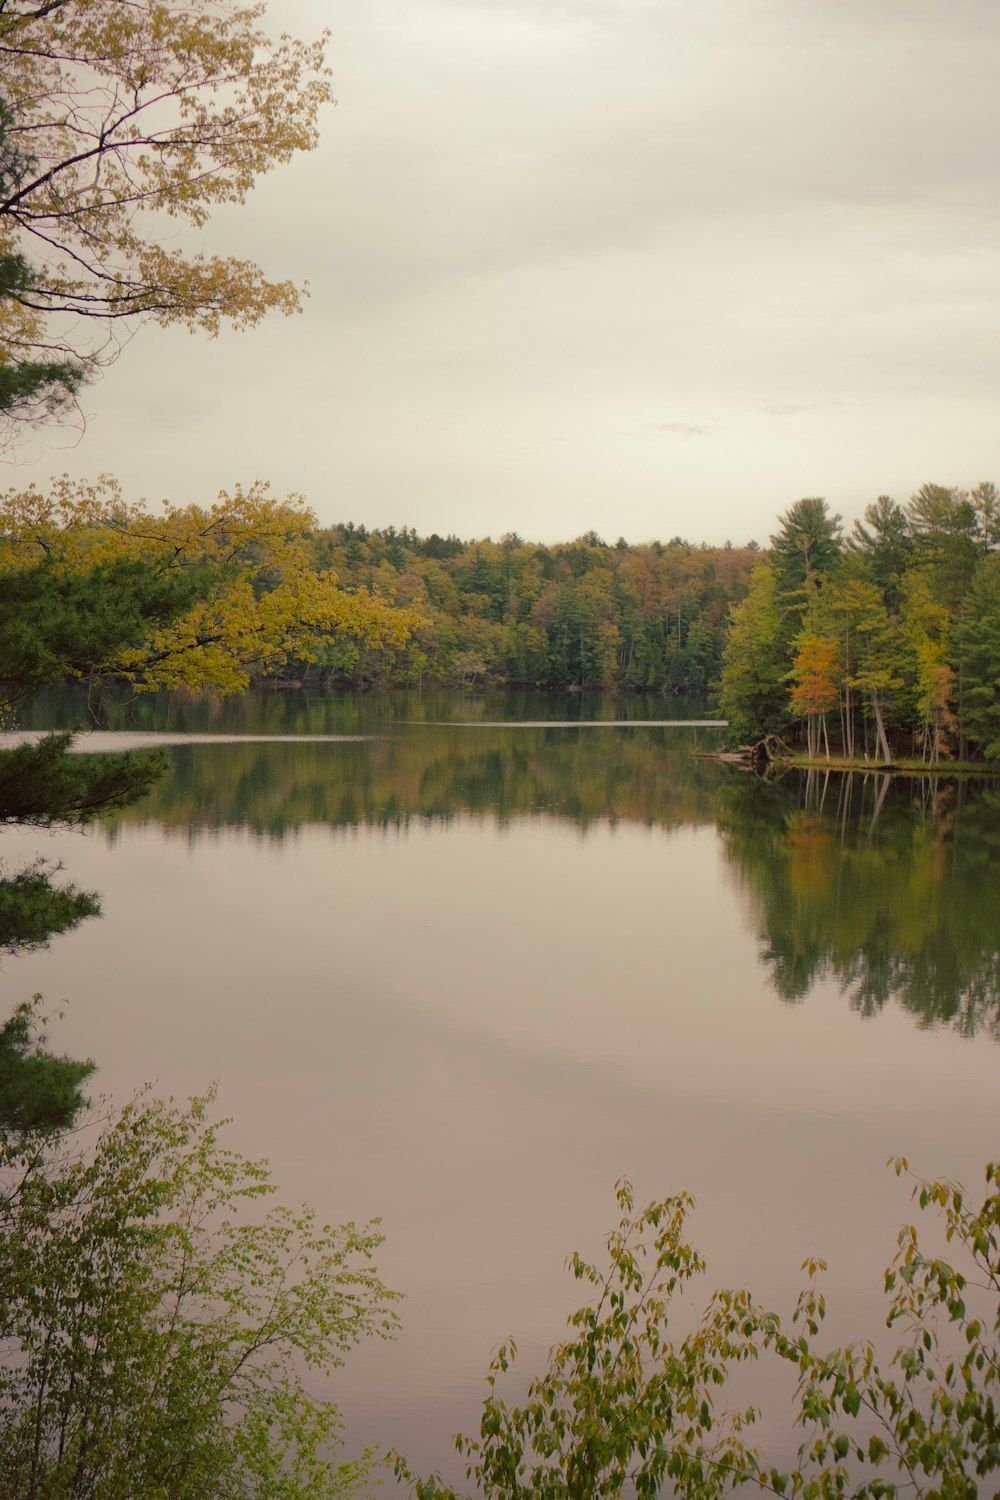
[{"x": 654, "y": 267}]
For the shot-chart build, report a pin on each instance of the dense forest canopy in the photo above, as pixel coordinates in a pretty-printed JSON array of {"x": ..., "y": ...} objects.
[{"x": 579, "y": 614}]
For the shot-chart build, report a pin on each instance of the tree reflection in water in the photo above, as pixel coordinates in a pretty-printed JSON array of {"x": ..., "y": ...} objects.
[{"x": 882, "y": 882}]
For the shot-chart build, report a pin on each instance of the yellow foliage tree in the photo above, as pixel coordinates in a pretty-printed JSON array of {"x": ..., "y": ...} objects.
[
  {"x": 927, "y": 631},
  {"x": 260, "y": 599},
  {"x": 121, "y": 115}
]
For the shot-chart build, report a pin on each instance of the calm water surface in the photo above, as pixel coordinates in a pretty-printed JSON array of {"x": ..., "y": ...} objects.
[{"x": 463, "y": 962}]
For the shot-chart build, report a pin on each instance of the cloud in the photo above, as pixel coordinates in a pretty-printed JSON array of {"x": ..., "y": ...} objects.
[{"x": 532, "y": 227}]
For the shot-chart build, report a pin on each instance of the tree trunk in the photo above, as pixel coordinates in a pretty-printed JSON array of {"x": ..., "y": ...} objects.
[
  {"x": 880, "y": 728},
  {"x": 848, "y": 705}
]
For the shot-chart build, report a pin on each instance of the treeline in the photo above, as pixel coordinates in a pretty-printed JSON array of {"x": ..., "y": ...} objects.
[
  {"x": 880, "y": 643},
  {"x": 581, "y": 614}
]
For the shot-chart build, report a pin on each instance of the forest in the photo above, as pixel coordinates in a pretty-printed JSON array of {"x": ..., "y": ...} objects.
[
  {"x": 578, "y": 614},
  {"x": 879, "y": 643}
]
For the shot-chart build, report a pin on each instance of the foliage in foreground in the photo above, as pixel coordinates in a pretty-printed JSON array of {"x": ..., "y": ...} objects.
[
  {"x": 117, "y": 119},
  {"x": 622, "y": 1404},
  {"x": 154, "y": 1334}
]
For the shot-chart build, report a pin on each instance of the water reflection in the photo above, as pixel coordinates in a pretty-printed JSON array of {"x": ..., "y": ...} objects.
[
  {"x": 111, "y": 706},
  {"x": 879, "y": 883},
  {"x": 466, "y": 977},
  {"x": 435, "y": 775},
  {"x": 883, "y": 882}
]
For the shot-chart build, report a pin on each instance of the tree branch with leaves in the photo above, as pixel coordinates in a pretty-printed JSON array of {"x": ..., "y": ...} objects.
[{"x": 120, "y": 116}]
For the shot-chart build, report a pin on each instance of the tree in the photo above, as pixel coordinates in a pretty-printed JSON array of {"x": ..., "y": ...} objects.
[
  {"x": 121, "y": 117},
  {"x": 90, "y": 584},
  {"x": 27, "y": 386},
  {"x": 620, "y": 1405},
  {"x": 31, "y": 912},
  {"x": 815, "y": 685},
  {"x": 30, "y": 387},
  {"x": 985, "y": 498},
  {"x": 623, "y": 1407},
  {"x": 753, "y": 690},
  {"x": 156, "y": 1327},
  {"x": 39, "y": 1091},
  {"x": 57, "y": 623},
  {"x": 926, "y": 625},
  {"x": 42, "y": 785},
  {"x": 197, "y": 596},
  {"x": 946, "y": 529},
  {"x": 886, "y": 546},
  {"x": 804, "y": 552},
  {"x": 875, "y": 671},
  {"x": 979, "y": 659}
]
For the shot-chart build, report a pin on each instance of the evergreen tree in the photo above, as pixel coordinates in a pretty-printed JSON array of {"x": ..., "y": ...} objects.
[
  {"x": 804, "y": 553},
  {"x": 947, "y": 539},
  {"x": 979, "y": 659},
  {"x": 885, "y": 544}
]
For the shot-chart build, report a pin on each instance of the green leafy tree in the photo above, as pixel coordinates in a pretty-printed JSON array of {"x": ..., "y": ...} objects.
[
  {"x": 57, "y": 623},
  {"x": 625, "y": 1407},
  {"x": 32, "y": 911},
  {"x": 156, "y": 1325},
  {"x": 926, "y": 630},
  {"x": 752, "y": 690},
  {"x": 42, "y": 785},
  {"x": 621, "y": 1405},
  {"x": 979, "y": 659},
  {"x": 30, "y": 387},
  {"x": 985, "y": 499},
  {"x": 876, "y": 671}
]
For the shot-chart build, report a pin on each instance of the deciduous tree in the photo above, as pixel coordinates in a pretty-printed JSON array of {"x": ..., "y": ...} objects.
[
  {"x": 156, "y": 1325},
  {"x": 242, "y": 565},
  {"x": 753, "y": 690},
  {"x": 626, "y": 1406},
  {"x": 121, "y": 118},
  {"x": 815, "y": 685},
  {"x": 979, "y": 658}
]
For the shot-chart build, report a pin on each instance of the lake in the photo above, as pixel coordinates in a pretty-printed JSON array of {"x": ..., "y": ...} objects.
[{"x": 462, "y": 962}]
